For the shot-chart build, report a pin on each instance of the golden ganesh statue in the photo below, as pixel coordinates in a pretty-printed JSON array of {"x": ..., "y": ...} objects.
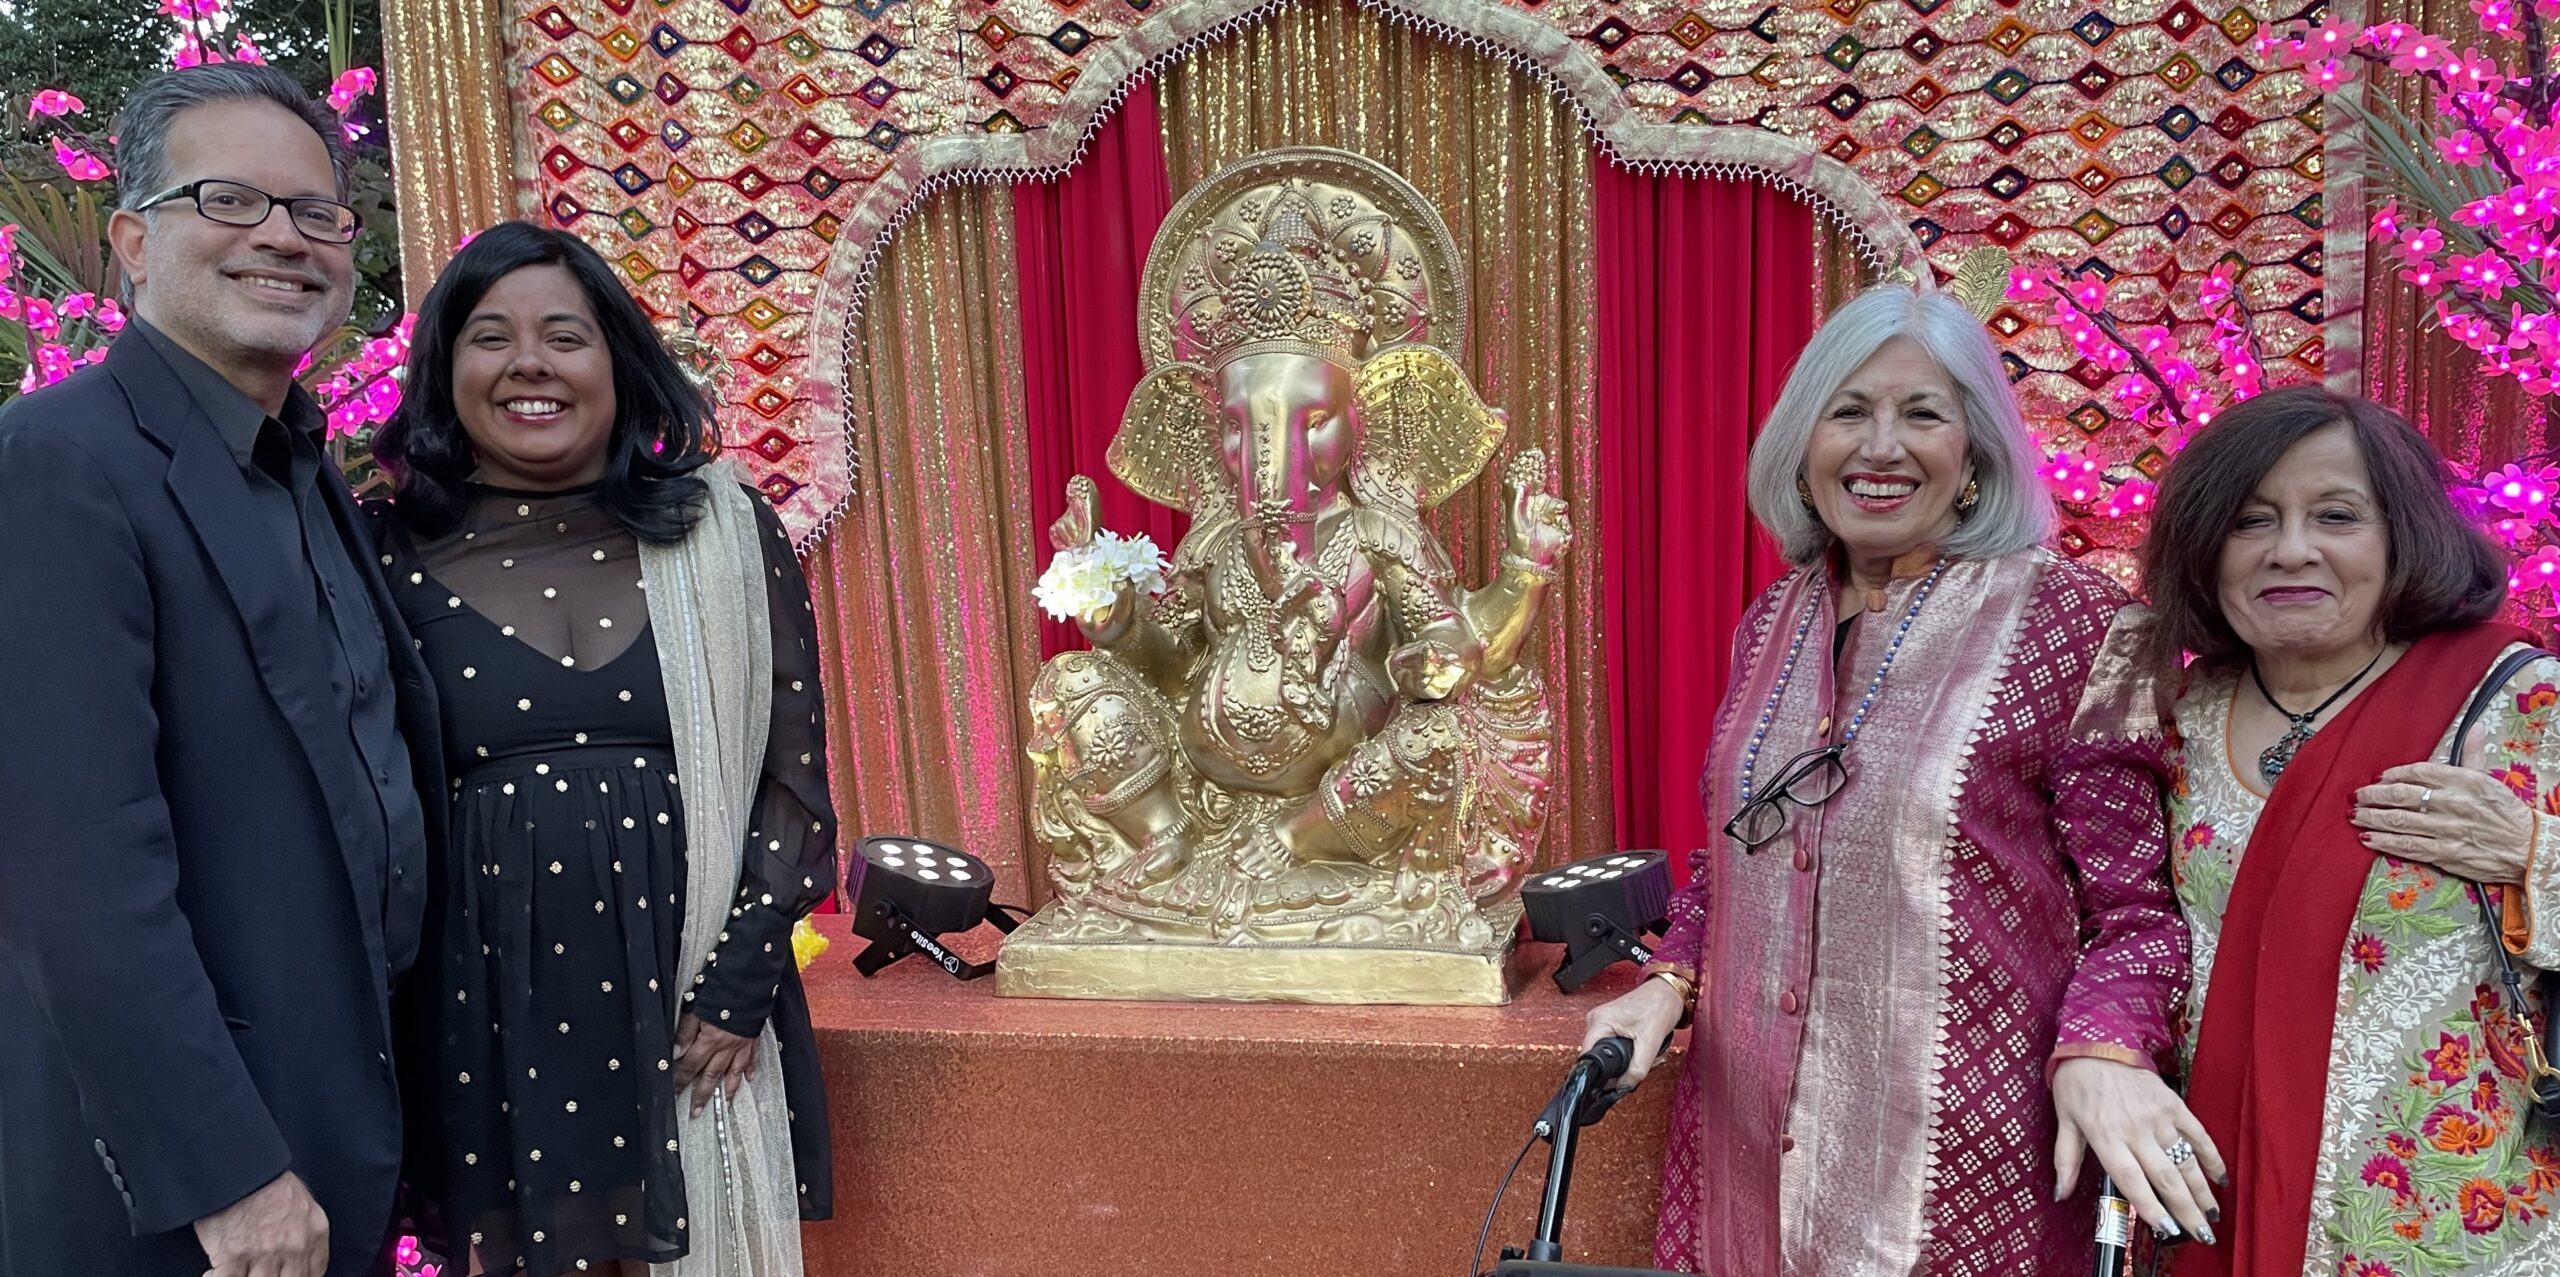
[{"x": 1316, "y": 766}]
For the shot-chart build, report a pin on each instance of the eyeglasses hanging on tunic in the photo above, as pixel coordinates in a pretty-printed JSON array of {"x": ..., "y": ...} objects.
[{"x": 1809, "y": 779}]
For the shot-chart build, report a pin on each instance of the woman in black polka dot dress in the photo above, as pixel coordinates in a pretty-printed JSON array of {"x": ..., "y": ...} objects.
[{"x": 547, "y": 435}]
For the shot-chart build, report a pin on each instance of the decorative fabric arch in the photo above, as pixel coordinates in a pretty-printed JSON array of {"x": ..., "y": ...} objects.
[
  {"x": 744, "y": 161},
  {"x": 1490, "y": 27}
]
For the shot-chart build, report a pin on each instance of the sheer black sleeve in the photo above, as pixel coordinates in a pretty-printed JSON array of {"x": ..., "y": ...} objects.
[{"x": 790, "y": 862}]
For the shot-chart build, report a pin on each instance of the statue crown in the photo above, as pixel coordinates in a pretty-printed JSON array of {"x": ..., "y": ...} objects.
[{"x": 1302, "y": 268}]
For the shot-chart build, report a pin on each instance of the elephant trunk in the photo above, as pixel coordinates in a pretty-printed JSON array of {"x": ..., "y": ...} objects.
[{"x": 1277, "y": 484}]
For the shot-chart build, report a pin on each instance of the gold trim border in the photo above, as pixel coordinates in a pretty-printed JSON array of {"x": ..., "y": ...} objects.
[{"x": 1034, "y": 965}]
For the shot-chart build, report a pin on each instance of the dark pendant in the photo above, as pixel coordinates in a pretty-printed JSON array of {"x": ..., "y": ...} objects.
[{"x": 2272, "y": 759}]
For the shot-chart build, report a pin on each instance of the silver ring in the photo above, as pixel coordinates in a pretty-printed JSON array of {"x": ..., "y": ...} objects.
[
  {"x": 2426, "y": 795},
  {"x": 2180, "y": 1153}
]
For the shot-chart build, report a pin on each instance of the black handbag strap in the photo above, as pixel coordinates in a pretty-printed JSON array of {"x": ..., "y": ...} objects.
[{"x": 2543, "y": 1073}]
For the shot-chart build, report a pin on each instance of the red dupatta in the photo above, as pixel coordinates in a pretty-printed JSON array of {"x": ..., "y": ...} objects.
[{"x": 2261, "y": 1066}]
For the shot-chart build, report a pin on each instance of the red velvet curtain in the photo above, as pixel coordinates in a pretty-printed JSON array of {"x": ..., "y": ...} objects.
[
  {"x": 1083, "y": 243},
  {"x": 1706, "y": 293}
]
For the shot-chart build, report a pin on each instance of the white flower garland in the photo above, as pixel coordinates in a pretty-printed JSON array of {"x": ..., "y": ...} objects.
[{"x": 1083, "y": 581}]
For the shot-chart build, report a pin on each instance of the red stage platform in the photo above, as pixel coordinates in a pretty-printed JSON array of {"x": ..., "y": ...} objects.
[{"x": 978, "y": 1136}]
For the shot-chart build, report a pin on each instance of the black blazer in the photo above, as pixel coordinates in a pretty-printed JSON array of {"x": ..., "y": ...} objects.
[{"x": 192, "y": 998}]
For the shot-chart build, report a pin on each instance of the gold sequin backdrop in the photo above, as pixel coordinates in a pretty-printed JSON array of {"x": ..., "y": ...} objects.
[
  {"x": 443, "y": 100},
  {"x": 924, "y": 589}
]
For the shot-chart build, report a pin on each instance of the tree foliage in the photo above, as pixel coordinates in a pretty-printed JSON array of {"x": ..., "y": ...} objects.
[
  {"x": 100, "y": 51},
  {"x": 97, "y": 49}
]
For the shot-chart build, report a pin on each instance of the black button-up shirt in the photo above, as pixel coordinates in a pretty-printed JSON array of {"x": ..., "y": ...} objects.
[{"x": 284, "y": 465}]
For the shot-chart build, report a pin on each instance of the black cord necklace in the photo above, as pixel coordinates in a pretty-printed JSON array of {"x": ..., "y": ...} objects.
[{"x": 2272, "y": 759}]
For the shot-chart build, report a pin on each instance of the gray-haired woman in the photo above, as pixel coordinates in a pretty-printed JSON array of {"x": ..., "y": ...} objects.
[{"x": 1933, "y": 963}]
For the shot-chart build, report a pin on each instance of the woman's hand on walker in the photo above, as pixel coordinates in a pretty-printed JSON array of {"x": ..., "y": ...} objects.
[
  {"x": 1644, "y": 1015},
  {"x": 2130, "y": 1120}
]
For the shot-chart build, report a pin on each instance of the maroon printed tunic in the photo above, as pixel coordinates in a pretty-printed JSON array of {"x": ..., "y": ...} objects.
[{"x": 1883, "y": 987}]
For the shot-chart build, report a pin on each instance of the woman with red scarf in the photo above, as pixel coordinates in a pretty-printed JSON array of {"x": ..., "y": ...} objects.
[{"x": 2353, "y": 1055}]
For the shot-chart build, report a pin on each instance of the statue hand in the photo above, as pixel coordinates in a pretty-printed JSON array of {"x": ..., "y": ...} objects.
[
  {"x": 1074, "y": 529},
  {"x": 1309, "y": 598},
  {"x": 1537, "y": 523},
  {"x": 1106, "y": 627},
  {"x": 1425, "y": 670}
]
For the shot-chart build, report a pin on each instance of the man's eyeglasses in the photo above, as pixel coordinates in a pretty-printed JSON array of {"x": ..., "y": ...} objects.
[
  {"x": 1809, "y": 779},
  {"x": 239, "y": 204}
]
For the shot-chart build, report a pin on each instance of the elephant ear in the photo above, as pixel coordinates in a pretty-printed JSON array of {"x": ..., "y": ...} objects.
[
  {"x": 1427, "y": 434},
  {"x": 1166, "y": 450}
]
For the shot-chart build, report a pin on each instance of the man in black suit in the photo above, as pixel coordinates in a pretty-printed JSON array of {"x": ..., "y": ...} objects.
[{"x": 218, "y": 764}]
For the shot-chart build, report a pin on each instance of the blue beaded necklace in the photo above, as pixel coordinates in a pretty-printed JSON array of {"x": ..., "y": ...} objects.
[{"x": 1866, "y": 701}]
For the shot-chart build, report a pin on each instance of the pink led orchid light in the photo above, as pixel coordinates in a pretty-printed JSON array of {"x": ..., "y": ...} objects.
[
  {"x": 54, "y": 102},
  {"x": 79, "y": 163}
]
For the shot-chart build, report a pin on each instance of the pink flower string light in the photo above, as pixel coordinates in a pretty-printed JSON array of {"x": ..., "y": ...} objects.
[
  {"x": 54, "y": 102},
  {"x": 2481, "y": 267},
  {"x": 200, "y": 23},
  {"x": 79, "y": 163},
  {"x": 2167, "y": 393},
  {"x": 365, "y": 390},
  {"x": 2480, "y": 254},
  {"x": 351, "y": 84},
  {"x": 67, "y": 333},
  {"x": 412, "y": 1261}
]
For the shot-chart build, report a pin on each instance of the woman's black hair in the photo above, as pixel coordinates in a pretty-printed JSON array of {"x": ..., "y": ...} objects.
[
  {"x": 2445, "y": 574},
  {"x": 661, "y": 423}
]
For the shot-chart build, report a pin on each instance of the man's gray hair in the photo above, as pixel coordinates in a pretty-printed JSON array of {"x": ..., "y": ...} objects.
[
  {"x": 142, "y": 127},
  {"x": 2012, "y": 512}
]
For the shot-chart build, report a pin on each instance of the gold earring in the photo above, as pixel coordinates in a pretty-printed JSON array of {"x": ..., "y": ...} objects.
[
  {"x": 1971, "y": 496},
  {"x": 1804, "y": 492}
]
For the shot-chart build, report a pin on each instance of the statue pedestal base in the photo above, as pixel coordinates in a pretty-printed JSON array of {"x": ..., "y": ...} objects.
[
  {"x": 1028, "y": 1137},
  {"x": 1037, "y": 963}
]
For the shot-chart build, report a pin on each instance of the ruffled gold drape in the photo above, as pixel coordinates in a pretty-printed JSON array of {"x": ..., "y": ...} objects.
[
  {"x": 1509, "y": 169},
  {"x": 1838, "y": 272},
  {"x": 452, "y": 118},
  {"x": 923, "y": 609}
]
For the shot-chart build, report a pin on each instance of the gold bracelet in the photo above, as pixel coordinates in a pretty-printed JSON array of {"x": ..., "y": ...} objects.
[
  {"x": 1683, "y": 985},
  {"x": 1538, "y": 573}
]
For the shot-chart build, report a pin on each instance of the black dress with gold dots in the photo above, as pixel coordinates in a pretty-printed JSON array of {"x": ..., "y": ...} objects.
[{"x": 563, "y": 906}]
